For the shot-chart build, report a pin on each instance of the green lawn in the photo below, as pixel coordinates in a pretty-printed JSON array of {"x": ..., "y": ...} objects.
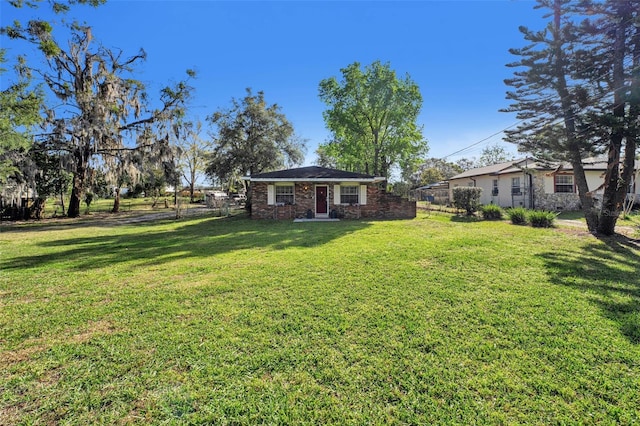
[
  {"x": 53, "y": 207},
  {"x": 232, "y": 321}
]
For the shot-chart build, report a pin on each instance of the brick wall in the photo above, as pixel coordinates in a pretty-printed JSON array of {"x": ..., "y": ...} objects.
[{"x": 380, "y": 204}]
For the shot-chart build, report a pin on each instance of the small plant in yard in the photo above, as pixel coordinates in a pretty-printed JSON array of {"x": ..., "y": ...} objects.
[
  {"x": 517, "y": 215},
  {"x": 491, "y": 212},
  {"x": 542, "y": 218}
]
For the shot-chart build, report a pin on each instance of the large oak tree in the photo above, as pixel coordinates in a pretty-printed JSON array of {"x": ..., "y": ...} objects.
[
  {"x": 102, "y": 111},
  {"x": 372, "y": 115}
]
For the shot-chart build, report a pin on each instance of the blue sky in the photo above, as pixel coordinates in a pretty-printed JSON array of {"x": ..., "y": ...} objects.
[{"x": 455, "y": 51}]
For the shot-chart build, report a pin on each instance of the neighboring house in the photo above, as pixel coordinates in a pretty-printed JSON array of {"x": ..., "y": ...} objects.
[
  {"x": 533, "y": 184},
  {"x": 318, "y": 192}
]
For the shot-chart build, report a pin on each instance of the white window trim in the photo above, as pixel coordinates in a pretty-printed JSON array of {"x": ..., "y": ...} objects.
[
  {"x": 271, "y": 192},
  {"x": 571, "y": 185},
  {"x": 361, "y": 193},
  {"x": 281, "y": 184}
]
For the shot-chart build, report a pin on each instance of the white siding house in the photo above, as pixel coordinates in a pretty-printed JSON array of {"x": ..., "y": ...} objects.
[{"x": 532, "y": 184}]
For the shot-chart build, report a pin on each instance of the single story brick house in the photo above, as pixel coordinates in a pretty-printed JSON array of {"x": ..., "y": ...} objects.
[
  {"x": 323, "y": 193},
  {"x": 533, "y": 184}
]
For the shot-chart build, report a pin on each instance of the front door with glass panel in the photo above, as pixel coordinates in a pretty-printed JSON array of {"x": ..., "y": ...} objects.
[{"x": 321, "y": 200}]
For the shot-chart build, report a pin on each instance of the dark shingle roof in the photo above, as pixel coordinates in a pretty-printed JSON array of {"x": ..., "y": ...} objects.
[{"x": 312, "y": 173}]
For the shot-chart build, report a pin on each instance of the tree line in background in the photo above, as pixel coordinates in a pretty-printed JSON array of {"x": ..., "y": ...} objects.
[{"x": 434, "y": 170}]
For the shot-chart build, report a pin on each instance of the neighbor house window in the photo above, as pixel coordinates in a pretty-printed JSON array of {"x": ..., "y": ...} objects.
[
  {"x": 515, "y": 186},
  {"x": 284, "y": 194},
  {"x": 349, "y": 194},
  {"x": 494, "y": 190},
  {"x": 564, "y": 183}
]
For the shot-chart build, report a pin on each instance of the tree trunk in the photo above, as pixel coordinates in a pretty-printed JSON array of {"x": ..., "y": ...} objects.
[
  {"x": 116, "y": 201},
  {"x": 376, "y": 155},
  {"x": 38, "y": 208},
  {"x": 76, "y": 196},
  {"x": 589, "y": 210},
  {"x": 62, "y": 201},
  {"x": 79, "y": 177},
  {"x": 566, "y": 100},
  {"x": 615, "y": 187}
]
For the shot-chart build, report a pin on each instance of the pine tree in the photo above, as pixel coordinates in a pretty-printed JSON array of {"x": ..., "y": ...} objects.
[{"x": 571, "y": 94}]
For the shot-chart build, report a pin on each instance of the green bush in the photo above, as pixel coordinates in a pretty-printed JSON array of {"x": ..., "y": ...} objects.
[
  {"x": 542, "y": 218},
  {"x": 517, "y": 215},
  {"x": 467, "y": 198},
  {"x": 491, "y": 212}
]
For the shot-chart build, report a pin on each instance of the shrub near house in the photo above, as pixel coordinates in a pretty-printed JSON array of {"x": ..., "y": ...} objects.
[
  {"x": 467, "y": 198},
  {"x": 491, "y": 212}
]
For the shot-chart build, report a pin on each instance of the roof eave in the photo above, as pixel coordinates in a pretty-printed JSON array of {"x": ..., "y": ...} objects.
[{"x": 353, "y": 179}]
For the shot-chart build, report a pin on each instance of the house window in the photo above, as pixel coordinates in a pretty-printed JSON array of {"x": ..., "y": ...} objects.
[
  {"x": 564, "y": 183},
  {"x": 284, "y": 194},
  {"x": 494, "y": 190},
  {"x": 515, "y": 186},
  {"x": 349, "y": 194}
]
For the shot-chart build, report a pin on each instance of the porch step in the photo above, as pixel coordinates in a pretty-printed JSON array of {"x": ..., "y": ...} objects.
[{"x": 316, "y": 220}]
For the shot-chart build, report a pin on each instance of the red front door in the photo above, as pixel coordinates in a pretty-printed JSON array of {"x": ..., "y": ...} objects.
[{"x": 321, "y": 199}]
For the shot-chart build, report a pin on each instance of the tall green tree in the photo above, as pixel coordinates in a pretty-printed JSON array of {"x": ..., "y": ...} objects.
[
  {"x": 614, "y": 48},
  {"x": 576, "y": 89},
  {"x": 543, "y": 99},
  {"x": 106, "y": 111},
  {"x": 251, "y": 137},
  {"x": 372, "y": 114}
]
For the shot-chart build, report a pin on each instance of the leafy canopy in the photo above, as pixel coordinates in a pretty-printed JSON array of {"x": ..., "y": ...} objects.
[
  {"x": 372, "y": 115},
  {"x": 251, "y": 137}
]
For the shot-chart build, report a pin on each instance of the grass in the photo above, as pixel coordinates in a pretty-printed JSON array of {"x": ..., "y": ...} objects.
[
  {"x": 232, "y": 321},
  {"x": 105, "y": 205}
]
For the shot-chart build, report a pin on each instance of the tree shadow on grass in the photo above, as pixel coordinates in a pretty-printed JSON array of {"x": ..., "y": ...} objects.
[
  {"x": 153, "y": 244},
  {"x": 103, "y": 219},
  {"x": 607, "y": 270}
]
